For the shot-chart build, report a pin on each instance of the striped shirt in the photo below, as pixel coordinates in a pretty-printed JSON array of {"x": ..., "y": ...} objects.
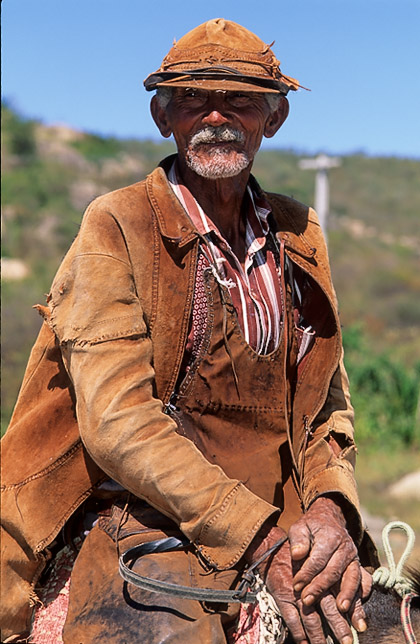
[{"x": 255, "y": 287}]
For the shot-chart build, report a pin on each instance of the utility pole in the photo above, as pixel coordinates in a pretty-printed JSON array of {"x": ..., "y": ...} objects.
[{"x": 322, "y": 163}]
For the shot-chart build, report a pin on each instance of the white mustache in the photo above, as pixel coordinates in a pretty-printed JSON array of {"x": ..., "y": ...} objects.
[{"x": 219, "y": 134}]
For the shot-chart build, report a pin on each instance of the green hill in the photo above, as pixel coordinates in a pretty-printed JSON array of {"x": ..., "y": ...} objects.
[{"x": 50, "y": 174}]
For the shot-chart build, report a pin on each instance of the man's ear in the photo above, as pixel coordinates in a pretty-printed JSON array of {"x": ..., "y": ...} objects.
[
  {"x": 277, "y": 118},
  {"x": 160, "y": 118}
]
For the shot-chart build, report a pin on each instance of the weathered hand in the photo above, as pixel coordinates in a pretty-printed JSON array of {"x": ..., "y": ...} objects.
[
  {"x": 278, "y": 576},
  {"x": 304, "y": 622},
  {"x": 331, "y": 566}
]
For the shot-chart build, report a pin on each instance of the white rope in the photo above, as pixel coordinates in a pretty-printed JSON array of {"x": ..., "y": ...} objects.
[
  {"x": 271, "y": 625},
  {"x": 392, "y": 577}
]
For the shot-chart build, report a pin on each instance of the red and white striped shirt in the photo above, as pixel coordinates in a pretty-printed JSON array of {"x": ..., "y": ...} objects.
[{"x": 254, "y": 288}]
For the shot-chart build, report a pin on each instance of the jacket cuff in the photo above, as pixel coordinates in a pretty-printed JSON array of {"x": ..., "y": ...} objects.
[
  {"x": 338, "y": 482},
  {"x": 225, "y": 537}
]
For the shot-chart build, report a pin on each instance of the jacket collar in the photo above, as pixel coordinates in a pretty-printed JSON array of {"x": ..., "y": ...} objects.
[{"x": 174, "y": 222}]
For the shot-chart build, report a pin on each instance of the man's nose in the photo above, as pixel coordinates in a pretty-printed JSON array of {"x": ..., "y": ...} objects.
[{"x": 215, "y": 118}]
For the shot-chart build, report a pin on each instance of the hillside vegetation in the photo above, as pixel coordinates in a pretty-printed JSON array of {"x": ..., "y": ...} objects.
[{"x": 51, "y": 173}]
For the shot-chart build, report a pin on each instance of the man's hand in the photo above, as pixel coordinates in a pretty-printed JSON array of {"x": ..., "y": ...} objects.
[
  {"x": 303, "y": 622},
  {"x": 328, "y": 578},
  {"x": 278, "y": 577},
  {"x": 331, "y": 567}
]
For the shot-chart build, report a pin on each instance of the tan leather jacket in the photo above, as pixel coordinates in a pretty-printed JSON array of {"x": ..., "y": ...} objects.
[{"x": 118, "y": 312}]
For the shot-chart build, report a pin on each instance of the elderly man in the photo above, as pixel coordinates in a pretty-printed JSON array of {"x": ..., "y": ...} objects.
[{"x": 196, "y": 320}]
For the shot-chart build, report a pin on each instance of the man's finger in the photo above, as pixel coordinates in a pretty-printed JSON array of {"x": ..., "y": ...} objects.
[
  {"x": 349, "y": 586},
  {"x": 291, "y": 616},
  {"x": 300, "y": 540},
  {"x": 335, "y": 619},
  {"x": 358, "y": 616},
  {"x": 365, "y": 584},
  {"x": 327, "y": 561},
  {"x": 313, "y": 625}
]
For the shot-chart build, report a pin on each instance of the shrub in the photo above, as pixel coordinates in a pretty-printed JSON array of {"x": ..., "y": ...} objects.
[{"x": 385, "y": 394}]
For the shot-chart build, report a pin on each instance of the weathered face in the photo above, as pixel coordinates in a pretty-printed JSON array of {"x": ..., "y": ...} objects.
[{"x": 217, "y": 133}]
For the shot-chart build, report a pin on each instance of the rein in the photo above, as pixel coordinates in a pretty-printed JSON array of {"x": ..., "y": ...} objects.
[{"x": 242, "y": 594}]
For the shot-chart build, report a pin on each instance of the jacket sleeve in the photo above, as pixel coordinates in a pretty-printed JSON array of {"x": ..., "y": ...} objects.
[
  {"x": 329, "y": 459},
  {"x": 107, "y": 350}
]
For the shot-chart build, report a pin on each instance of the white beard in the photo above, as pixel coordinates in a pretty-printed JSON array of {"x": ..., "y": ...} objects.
[
  {"x": 221, "y": 162},
  {"x": 220, "y": 165}
]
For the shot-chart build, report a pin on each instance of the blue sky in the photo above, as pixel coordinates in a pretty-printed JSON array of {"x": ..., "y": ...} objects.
[{"x": 82, "y": 62}]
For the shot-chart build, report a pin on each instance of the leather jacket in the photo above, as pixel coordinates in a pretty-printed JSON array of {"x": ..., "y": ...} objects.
[{"x": 109, "y": 354}]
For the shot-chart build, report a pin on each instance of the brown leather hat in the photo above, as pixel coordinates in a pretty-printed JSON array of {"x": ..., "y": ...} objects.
[{"x": 220, "y": 54}]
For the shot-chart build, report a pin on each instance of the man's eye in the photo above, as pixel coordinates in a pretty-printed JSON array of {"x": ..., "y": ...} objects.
[
  {"x": 194, "y": 95},
  {"x": 238, "y": 100}
]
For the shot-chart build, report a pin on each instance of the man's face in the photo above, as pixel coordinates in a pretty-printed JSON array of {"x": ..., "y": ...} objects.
[{"x": 217, "y": 133}]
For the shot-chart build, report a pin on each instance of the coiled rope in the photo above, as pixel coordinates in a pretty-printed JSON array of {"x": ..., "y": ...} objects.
[{"x": 392, "y": 577}]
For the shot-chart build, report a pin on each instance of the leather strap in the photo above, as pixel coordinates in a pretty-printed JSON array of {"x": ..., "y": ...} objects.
[
  {"x": 241, "y": 594},
  {"x": 166, "y": 588}
]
